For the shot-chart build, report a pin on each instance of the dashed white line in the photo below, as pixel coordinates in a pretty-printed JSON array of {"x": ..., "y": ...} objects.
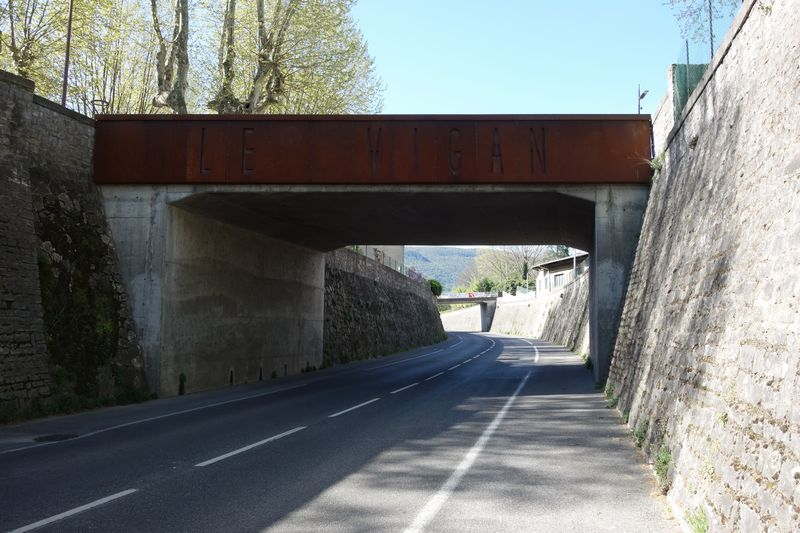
[
  {"x": 334, "y": 415},
  {"x": 438, "y": 500},
  {"x": 434, "y": 376},
  {"x": 72, "y": 512},
  {"x": 460, "y": 340},
  {"x": 454, "y": 367},
  {"x": 401, "y": 389},
  {"x": 251, "y": 446}
]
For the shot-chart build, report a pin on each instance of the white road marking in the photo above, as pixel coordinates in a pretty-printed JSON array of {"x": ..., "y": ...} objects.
[
  {"x": 435, "y": 504},
  {"x": 454, "y": 367},
  {"x": 334, "y": 415},
  {"x": 401, "y": 389},
  {"x": 535, "y": 351},
  {"x": 159, "y": 417},
  {"x": 434, "y": 376},
  {"x": 460, "y": 340},
  {"x": 251, "y": 446},
  {"x": 72, "y": 512}
]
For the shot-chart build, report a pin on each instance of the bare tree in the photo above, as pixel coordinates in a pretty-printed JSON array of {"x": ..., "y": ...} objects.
[
  {"x": 268, "y": 79},
  {"x": 32, "y": 27},
  {"x": 696, "y": 17},
  {"x": 172, "y": 58},
  {"x": 525, "y": 256}
]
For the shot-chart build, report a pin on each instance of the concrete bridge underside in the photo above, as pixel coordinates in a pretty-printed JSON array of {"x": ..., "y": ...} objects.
[{"x": 229, "y": 279}]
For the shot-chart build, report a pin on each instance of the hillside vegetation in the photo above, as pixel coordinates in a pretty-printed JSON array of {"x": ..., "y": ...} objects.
[{"x": 441, "y": 263}]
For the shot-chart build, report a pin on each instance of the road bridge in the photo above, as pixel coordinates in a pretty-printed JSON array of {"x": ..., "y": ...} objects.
[
  {"x": 221, "y": 222},
  {"x": 486, "y": 300}
]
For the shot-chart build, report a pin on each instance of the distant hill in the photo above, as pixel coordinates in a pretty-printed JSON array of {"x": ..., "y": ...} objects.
[{"x": 442, "y": 263}]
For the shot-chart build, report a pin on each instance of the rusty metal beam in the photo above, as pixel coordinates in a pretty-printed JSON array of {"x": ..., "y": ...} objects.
[{"x": 381, "y": 149}]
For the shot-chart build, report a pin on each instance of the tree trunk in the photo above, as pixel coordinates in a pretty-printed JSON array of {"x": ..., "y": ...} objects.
[{"x": 172, "y": 61}]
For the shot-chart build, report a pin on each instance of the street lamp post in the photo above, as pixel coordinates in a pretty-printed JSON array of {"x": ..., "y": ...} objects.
[{"x": 66, "y": 55}]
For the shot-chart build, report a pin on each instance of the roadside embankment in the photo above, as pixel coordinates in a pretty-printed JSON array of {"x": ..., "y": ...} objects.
[
  {"x": 372, "y": 310},
  {"x": 559, "y": 316},
  {"x": 706, "y": 368},
  {"x": 67, "y": 340}
]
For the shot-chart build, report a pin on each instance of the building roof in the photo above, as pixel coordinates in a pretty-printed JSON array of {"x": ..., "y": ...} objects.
[{"x": 561, "y": 262}]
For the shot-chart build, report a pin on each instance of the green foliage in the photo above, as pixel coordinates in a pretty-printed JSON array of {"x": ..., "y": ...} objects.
[
  {"x": 657, "y": 163},
  {"x": 698, "y": 520},
  {"x": 662, "y": 465},
  {"x": 324, "y": 64},
  {"x": 485, "y": 285},
  {"x": 640, "y": 433},
  {"x": 587, "y": 361},
  {"x": 436, "y": 287}
]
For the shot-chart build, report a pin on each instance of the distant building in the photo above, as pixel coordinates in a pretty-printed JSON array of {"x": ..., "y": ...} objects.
[
  {"x": 555, "y": 274},
  {"x": 392, "y": 256}
]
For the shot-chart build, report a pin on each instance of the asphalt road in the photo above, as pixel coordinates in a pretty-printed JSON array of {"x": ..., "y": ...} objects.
[{"x": 479, "y": 433}]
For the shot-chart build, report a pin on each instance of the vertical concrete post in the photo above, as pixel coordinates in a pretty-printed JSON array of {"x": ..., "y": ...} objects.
[
  {"x": 487, "y": 314},
  {"x": 618, "y": 217}
]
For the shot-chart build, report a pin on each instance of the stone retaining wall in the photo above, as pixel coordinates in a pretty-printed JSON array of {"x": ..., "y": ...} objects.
[
  {"x": 560, "y": 317},
  {"x": 372, "y": 310},
  {"x": 706, "y": 363},
  {"x": 66, "y": 338}
]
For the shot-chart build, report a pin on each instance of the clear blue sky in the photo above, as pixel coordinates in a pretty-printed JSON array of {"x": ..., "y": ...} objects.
[{"x": 521, "y": 56}]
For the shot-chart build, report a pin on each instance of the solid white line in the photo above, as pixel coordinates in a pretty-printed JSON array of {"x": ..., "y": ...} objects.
[
  {"x": 434, "y": 376},
  {"x": 334, "y": 415},
  {"x": 401, "y": 389},
  {"x": 438, "y": 500},
  {"x": 251, "y": 446},
  {"x": 82, "y": 508},
  {"x": 535, "y": 351},
  {"x": 159, "y": 417},
  {"x": 454, "y": 367}
]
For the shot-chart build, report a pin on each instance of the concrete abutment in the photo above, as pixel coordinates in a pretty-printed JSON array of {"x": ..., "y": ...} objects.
[{"x": 209, "y": 298}]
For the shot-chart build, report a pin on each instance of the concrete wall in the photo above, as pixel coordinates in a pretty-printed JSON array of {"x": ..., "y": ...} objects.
[
  {"x": 471, "y": 318},
  {"x": 391, "y": 255},
  {"x": 236, "y": 303},
  {"x": 706, "y": 361},
  {"x": 211, "y": 298},
  {"x": 66, "y": 317},
  {"x": 558, "y": 316},
  {"x": 372, "y": 310}
]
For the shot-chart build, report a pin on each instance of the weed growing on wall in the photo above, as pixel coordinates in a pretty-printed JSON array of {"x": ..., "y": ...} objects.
[
  {"x": 698, "y": 520},
  {"x": 662, "y": 466},
  {"x": 640, "y": 433}
]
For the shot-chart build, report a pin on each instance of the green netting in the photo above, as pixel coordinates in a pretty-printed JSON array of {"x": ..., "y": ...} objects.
[{"x": 684, "y": 79}]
